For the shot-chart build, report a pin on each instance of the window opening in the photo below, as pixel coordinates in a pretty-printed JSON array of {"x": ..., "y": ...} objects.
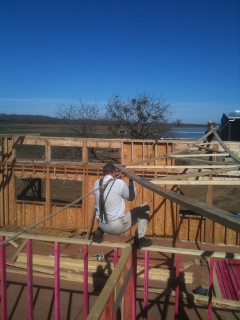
[
  {"x": 66, "y": 191},
  {"x": 30, "y": 189},
  {"x": 104, "y": 155},
  {"x": 71, "y": 154},
  {"x": 30, "y": 152}
]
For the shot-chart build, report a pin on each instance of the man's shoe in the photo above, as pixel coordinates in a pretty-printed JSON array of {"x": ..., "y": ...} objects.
[
  {"x": 142, "y": 242},
  {"x": 98, "y": 236}
]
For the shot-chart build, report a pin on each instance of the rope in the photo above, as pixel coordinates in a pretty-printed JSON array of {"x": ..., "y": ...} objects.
[{"x": 55, "y": 213}]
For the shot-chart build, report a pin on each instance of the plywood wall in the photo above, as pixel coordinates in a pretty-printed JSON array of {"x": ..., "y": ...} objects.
[{"x": 165, "y": 221}]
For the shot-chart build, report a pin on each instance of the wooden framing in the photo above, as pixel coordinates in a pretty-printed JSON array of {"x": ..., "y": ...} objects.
[
  {"x": 157, "y": 174},
  {"x": 121, "y": 285}
]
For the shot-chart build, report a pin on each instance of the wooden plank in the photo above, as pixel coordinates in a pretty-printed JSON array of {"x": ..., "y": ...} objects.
[
  {"x": 110, "y": 286},
  {"x": 48, "y": 273},
  {"x": 219, "y": 278},
  {"x": 197, "y": 182},
  {"x": 216, "y": 286},
  {"x": 197, "y": 174},
  {"x": 159, "y": 274},
  {"x": 20, "y": 248},
  {"x": 196, "y": 298},
  {"x": 226, "y": 148},
  {"x": 197, "y": 155},
  {"x": 223, "y": 217},
  {"x": 13, "y": 243},
  {"x": 157, "y": 167}
]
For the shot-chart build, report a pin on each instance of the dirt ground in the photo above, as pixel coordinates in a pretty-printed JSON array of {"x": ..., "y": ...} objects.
[{"x": 224, "y": 197}]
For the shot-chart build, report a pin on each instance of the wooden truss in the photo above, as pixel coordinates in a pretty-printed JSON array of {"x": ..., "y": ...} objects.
[{"x": 205, "y": 172}]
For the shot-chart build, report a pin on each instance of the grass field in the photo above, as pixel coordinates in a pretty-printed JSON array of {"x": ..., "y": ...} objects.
[{"x": 52, "y": 130}]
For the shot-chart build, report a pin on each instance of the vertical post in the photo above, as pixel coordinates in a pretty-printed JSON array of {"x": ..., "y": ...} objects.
[
  {"x": 115, "y": 257},
  {"x": 128, "y": 308},
  {"x": 177, "y": 286},
  {"x": 85, "y": 284},
  {"x": 48, "y": 200},
  {"x": 29, "y": 279},
  {"x": 47, "y": 153},
  {"x": 84, "y": 152},
  {"x": 108, "y": 311},
  {"x": 210, "y": 288},
  {"x": 57, "y": 281},
  {"x": 134, "y": 282},
  {"x": 210, "y": 224},
  {"x": 146, "y": 268},
  {"x": 2, "y": 184},
  {"x": 3, "y": 280},
  {"x": 115, "y": 260}
]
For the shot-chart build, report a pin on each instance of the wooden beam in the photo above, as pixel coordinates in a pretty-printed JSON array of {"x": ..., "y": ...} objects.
[
  {"x": 196, "y": 174},
  {"x": 196, "y": 182},
  {"x": 222, "y": 217},
  {"x": 197, "y": 155},
  {"x": 19, "y": 249},
  {"x": 157, "y": 167},
  {"x": 226, "y": 148},
  {"x": 110, "y": 286}
]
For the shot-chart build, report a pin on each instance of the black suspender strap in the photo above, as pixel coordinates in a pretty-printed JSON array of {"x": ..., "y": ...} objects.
[{"x": 102, "y": 209}]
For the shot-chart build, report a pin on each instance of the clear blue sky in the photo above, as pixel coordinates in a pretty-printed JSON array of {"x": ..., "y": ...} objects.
[{"x": 55, "y": 51}]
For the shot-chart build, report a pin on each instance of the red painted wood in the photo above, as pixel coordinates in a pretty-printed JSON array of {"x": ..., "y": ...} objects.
[
  {"x": 3, "y": 283},
  {"x": 85, "y": 284},
  {"x": 57, "y": 281},
  {"x": 128, "y": 307},
  {"x": 177, "y": 286},
  {"x": 134, "y": 282},
  {"x": 146, "y": 280},
  {"x": 231, "y": 268},
  {"x": 224, "y": 280},
  {"x": 108, "y": 311},
  {"x": 29, "y": 280},
  {"x": 210, "y": 288}
]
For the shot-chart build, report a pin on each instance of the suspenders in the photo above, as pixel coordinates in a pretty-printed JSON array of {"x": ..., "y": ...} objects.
[{"x": 102, "y": 209}]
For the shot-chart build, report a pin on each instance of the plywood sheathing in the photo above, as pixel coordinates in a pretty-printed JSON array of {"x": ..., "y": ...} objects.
[{"x": 165, "y": 221}]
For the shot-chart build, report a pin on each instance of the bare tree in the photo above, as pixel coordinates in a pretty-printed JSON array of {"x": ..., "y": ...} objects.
[
  {"x": 142, "y": 117},
  {"x": 80, "y": 118}
]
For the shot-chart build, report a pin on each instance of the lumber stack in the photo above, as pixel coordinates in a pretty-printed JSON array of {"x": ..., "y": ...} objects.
[{"x": 73, "y": 268}]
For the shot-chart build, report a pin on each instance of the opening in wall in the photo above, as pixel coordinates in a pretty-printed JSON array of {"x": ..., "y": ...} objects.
[
  {"x": 30, "y": 189},
  {"x": 66, "y": 191},
  {"x": 71, "y": 154},
  {"x": 30, "y": 152},
  {"x": 104, "y": 155}
]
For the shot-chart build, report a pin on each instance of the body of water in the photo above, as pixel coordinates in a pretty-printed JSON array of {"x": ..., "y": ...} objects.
[{"x": 185, "y": 133}]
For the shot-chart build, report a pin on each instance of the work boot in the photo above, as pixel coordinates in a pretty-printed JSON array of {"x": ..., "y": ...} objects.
[
  {"x": 98, "y": 235},
  {"x": 139, "y": 243}
]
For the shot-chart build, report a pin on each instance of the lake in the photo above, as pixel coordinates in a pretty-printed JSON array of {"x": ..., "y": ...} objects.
[{"x": 185, "y": 133}]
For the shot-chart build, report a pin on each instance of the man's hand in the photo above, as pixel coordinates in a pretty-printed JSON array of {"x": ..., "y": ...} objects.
[{"x": 124, "y": 173}]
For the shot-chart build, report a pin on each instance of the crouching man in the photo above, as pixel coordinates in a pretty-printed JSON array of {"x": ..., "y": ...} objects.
[{"x": 110, "y": 208}]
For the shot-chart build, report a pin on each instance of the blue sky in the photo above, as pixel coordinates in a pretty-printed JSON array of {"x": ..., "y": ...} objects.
[{"x": 55, "y": 51}]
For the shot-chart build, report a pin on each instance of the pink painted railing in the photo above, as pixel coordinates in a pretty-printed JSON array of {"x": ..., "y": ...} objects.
[
  {"x": 3, "y": 280},
  {"x": 123, "y": 277},
  {"x": 109, "y": 309}
]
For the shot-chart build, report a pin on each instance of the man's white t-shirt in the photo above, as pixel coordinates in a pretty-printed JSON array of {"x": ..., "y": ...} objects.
[{"x": 115, "y": 193}]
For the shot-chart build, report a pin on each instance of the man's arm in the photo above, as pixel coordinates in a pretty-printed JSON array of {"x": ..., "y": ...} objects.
[
  {"x": 128, "y": 192},
  {"x": 131, "y": 189}
]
